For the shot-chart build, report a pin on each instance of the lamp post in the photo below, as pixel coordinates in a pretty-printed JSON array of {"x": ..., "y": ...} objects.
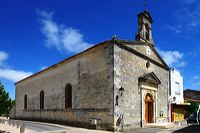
[
  {"x": 121, "y": 91},
  {"x": 121, "y": 117}
]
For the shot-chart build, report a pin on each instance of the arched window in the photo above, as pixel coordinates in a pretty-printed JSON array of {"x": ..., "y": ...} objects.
[
  {"x": 147, "y": 31},
  {"x": 41, "y": 99},
  {"x": 25, "y": 101},
  {"x": 68, "y": 96}
]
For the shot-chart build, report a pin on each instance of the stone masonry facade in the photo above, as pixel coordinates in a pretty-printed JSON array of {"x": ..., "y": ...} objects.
[
  {"x": 128, "y": 67},
  {"x": 91, "y": 76}
]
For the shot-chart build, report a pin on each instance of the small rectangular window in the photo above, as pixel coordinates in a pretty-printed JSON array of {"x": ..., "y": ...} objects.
[{"x": 177, "y": 88}]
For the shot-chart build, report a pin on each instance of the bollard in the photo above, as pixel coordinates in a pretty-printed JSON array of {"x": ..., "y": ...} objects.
[
  {"x": 9, "y": 122},
  {"x": 22, "y": 128},
  {"x": 17, "y": 124},
  {"x": 13, "y": 123}
]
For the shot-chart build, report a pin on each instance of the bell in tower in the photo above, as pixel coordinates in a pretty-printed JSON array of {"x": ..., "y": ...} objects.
[{"x": 144, "y": 28}]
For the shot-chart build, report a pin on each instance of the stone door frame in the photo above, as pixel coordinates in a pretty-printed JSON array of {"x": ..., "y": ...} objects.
[
  {"x": 153, "y": 93},
  {"x": 148, "y": 84}
]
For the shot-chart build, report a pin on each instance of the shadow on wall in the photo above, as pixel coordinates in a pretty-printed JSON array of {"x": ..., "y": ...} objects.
[{"x": 189, "y": 129}]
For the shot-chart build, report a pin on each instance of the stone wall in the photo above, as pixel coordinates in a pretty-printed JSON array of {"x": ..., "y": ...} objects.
[
  {"x": 142, "y": 48},
  {"x": 128, "y": 67},
  {"x": 91, "y": 76}
]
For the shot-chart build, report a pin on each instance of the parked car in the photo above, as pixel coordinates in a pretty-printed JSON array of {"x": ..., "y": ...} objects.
[{"x": 192, "y": 118}]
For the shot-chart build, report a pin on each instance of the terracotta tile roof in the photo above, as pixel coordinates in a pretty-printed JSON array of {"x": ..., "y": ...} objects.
[{"x": 192, "y": 100}]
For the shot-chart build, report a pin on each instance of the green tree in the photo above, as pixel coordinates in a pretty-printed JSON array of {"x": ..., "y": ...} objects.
[{"x": 6, "y": 103}]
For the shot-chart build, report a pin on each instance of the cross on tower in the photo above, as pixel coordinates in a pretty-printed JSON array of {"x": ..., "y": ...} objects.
[{"x": 145, "y": 4}]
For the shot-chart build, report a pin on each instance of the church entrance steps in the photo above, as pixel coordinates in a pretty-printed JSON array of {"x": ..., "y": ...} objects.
[{"x": 160, "y": 125}]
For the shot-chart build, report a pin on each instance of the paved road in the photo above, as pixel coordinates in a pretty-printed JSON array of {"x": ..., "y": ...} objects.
[
  {"x": 189, "y": 129},
  {"x": 38, "y": 127},
  {"x": 195, "y": 128},
  {"x": 144, "y": 130},
  {"x": 42, "y": 127}
]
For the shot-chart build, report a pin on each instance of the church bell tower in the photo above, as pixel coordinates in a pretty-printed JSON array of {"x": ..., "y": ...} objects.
[{"x": 145, "y": 28}]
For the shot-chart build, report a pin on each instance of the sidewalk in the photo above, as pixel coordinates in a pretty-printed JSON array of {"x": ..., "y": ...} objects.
[
  {"x": 55, "y": 128},
  {"x": 15, "y": 126}
]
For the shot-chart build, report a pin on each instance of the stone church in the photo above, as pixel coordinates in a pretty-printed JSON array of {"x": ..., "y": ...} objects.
[{"x": 114, "y": 84}]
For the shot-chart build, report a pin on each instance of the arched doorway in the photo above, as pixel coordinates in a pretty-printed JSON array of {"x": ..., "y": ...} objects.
[{"x": 149, "y": 108}]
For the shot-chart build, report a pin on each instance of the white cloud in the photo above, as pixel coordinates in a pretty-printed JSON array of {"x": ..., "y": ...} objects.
[
  {"x": 182, "y": 64},
  {"x": 175, "y": 29},
  {"x": 196, "y": 83},
  {"x": 195, "y": 80},
  {"x": 43, "y": 67},
  {"x": 196, "y": 77},
  {"x": 14, "y": 75},
  {"x": 188, "y": 1},
  {"x": 173, "y": 58},
  {"x": 187, "y": 18},
  {"x": 10, "y": 74},
  {"x": 3, "y": 57},
  {"x": 60, "y": 36}
]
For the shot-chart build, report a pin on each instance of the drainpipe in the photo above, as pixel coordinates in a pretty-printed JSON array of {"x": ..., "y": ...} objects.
[
  {"x": 140, "y": 90},
  {"x": 122, "y": 122}
]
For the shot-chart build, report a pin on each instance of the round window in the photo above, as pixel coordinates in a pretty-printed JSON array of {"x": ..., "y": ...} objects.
[{"x": 147, "y": 64}]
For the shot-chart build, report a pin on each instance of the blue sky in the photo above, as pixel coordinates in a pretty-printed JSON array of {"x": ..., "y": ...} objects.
[{"x": 37, "y": 34}]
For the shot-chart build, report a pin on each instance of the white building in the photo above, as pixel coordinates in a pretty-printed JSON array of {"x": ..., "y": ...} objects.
[
  {"x": 177, "y": 105},
  {"x": 176, "y": 88}
]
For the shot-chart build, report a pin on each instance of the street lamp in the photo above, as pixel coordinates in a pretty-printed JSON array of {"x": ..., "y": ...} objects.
[{"x": 121, "y": 91}]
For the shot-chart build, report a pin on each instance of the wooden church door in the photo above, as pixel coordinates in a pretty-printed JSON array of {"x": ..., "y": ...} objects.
[{"x": 148, "y": 109}]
